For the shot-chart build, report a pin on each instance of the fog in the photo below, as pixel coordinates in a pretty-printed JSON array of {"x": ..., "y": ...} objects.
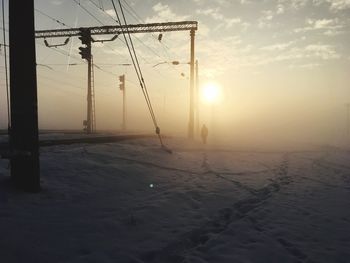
[
  {"x": 276, "y": 108},
  {"x": 250, "y": 113}
]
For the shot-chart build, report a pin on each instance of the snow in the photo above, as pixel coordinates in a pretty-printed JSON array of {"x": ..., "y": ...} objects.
[{"x": 133, "y": 202}]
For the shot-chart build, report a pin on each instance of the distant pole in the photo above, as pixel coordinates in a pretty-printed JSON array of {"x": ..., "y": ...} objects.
[
  {"x": 24, "y": 141},
  {"x": 85, "y": 52},
  {"x": 197, "y": 99},
  {"x": 191, "y": 117},
  {"x": 89, "y": 100},
  {"x": 122, "y": 88},
  {"x": 124, "y": 109}
]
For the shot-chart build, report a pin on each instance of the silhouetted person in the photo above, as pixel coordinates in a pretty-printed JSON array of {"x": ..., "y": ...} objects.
[{"x": 204, "y": 133}]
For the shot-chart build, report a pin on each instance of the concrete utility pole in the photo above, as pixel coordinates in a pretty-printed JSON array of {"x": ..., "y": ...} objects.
[
  {"x": 122, "y": 88},
  {"x": 197, "y": 99},
  {"x": 24, "y": 140},
  {"x": 191, "y": 117},
  {"x": 85, "y": 52}
]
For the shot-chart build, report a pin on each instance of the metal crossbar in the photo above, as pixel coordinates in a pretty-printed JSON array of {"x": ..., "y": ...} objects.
[{"x": 106, "y": 30}]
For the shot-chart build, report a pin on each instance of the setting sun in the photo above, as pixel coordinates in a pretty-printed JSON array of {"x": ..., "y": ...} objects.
[{"x": 210, "y": 93}]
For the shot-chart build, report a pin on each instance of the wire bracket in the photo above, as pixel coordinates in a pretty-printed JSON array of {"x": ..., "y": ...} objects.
[{"x": 56, "y": 45}]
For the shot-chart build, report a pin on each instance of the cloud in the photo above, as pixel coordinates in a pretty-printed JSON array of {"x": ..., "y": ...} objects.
[
  {"x": 322, "y": 51},
  {"x": 267, "y": 14},
  {"x": 164, "y": 13},
  {"x": 56, "y": 2},
  {"x": 337, "y": 5},
  {"x": 280, "y": 46},
  {"x": 297, "y": 4},
  {"x": 232, "y": 21},
  {"x": 323, "y": 23},
  {"x": 209, "y": 11},
  {"x": 305, "y": 66},
  {"x": 233, "y": 40},
  {"x": 317, "y": 2},
  {"x": 332, "y": 32},
  {"x": 111, "y": 12},
  {"x": 305, "y": 57},
  {"x": 280, "y": 9},
  {"x": 264, "y": 20},
  {"x": 217, "y": 15},
  {"x": 320, "y": 24}
]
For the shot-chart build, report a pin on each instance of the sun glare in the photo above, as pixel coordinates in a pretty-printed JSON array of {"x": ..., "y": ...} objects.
[{"x": 210, "y": 93}]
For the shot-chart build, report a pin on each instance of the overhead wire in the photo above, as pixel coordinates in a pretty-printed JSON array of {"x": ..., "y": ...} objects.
[
  {"x": 137, "y": 67},
  {"x": 134, "y": 61},
  {"x": 103, "y": 10},
  {"x": 68, "y": 54},
  {"x": 58, "y": 50},
  {"x": 115, "y": 20},
  {"x": 137, "y": 18},
  {"x": 87, "y": 11},
  {"x": 97, "y": 66},
  {"x": 101, "y": 3},
  {"x": 81, "y": 6},
  {"x": 143, "y": 58},
  {"x": 50, "y": 17}
]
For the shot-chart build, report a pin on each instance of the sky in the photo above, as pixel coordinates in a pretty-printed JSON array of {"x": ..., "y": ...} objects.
[{"x": 282, "y": 66}]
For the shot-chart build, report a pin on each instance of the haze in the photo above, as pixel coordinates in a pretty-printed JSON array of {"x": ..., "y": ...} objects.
[{"x": 282, "y": 68}]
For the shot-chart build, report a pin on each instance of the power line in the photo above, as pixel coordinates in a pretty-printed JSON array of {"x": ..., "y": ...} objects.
[
  {"x": 87, "y": 11},
  {"x": 59, "y": 83},
  {"x": 137, "y": 18},
  {"x": 115, "y": 20},
  {"x": 50, "y": 17},
  {"x": 78, "y": 59},
  {"x": 63, "y": 52},
  {"x": 137, "y": 67},
  {"x": 134, "y": 14},
  {"x": 56, "y": 20},
  {"x": 56, "y": 81},
  {"x": 104, "y": 12},
  {"x": 101, "y": 3}
]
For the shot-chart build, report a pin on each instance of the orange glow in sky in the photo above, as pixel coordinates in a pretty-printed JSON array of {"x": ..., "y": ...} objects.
[{"x": 211, "y": 93}]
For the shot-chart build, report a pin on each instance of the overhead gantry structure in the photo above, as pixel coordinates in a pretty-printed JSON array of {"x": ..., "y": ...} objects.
[
  {"x": 116, "y": 30},
  {"x": 86, "y": 36}
]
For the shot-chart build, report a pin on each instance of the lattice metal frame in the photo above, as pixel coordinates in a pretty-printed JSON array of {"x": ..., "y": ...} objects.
[{"x": 106, "y": 30}]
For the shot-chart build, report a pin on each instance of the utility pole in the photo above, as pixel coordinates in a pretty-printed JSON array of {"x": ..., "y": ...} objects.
[
  {"x": 197, "y": 99},
  {"x": 191, "y": 117},
  {"x": 122, "y": 88},
  {"x": 85, "y": 52},
  {"x": 24, "y": 139}
]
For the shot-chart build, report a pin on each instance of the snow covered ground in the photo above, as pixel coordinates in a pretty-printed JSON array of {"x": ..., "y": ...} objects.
[{"x": 132, "y": 202}]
